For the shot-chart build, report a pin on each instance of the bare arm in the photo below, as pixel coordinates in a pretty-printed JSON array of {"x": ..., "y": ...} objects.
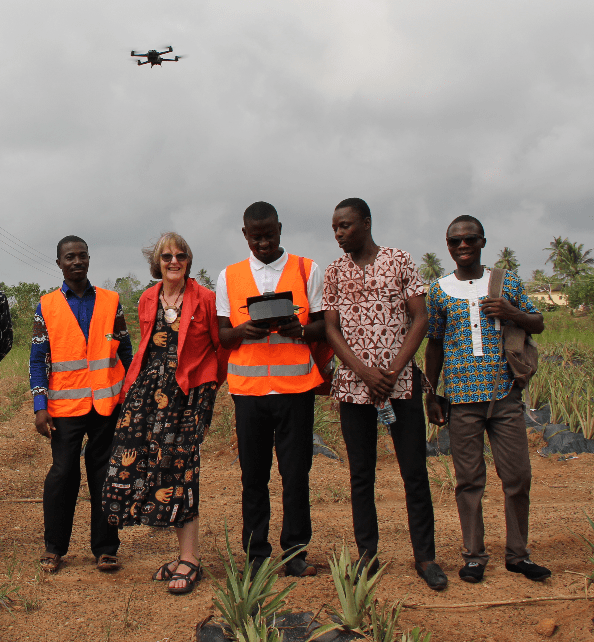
[
  {"x": 433, "y": 366},
  {"x": 377, "y": 380},
  {"x": 417, "y": 310},
  {"x": 501, "y": 308}
]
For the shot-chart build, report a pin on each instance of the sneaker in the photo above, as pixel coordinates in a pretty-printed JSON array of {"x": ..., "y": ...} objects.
[
  {"x": 472, "y": 572},
  {"x": 298, "y": 567},
  {"x": 530, "y": 570}
]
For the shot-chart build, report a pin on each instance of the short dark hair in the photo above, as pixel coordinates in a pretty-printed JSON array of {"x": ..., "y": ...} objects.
[
  {"x": 70, "y": 239},
  {"x": 356, "y": 204},
  {"x": 260, "y": 211},
  {"x": 466, "y": 218}
]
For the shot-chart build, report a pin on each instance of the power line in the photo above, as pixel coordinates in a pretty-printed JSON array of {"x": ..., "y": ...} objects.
[
  {"x": 25, "y": 256},
  {"x": 29, "y": 265},
  {"x": 44, "y": 256}
]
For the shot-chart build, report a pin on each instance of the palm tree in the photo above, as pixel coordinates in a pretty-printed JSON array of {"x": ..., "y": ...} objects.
[
  {"x": 507, "y": 260},
  {"x": 204, "y": 279},
  {"x": 430, "y": 268},
  {"x": 572, "y": 261},
  {"x": 555, "y": 246}
]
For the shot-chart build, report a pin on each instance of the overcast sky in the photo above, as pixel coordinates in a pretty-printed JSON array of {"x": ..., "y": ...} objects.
[{"x": 425, "y": 109}]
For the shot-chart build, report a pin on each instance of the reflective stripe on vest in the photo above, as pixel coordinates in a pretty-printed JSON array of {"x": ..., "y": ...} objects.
[
  {"x": 81, "y": 393},
  {"x": 273, "y": 339},
  {"x": 81, "y": 364},
  {"x": 77, "y": 393},
  {"x": 69, "y": 366},
  {"x": 297, "y": 370}
]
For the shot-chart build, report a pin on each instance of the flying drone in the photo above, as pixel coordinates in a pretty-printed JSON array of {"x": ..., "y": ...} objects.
[{"x": 154, "y": 57}]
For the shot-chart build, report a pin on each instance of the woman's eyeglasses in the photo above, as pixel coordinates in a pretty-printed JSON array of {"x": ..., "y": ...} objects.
[
  {"x": 167, "y": 258},
  {"x": 470, "y": 239}
]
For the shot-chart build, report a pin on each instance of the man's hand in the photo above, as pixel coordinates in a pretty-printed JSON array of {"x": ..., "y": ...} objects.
[
  {"x": 249, "y": 330},
  {"x": 293, "y": 329},
  {"x": 44, "y": 424},
  {"x": 434, "y": 410},
  {"x": 379, "y": 381},
  {"x": 499, "y": 308}
]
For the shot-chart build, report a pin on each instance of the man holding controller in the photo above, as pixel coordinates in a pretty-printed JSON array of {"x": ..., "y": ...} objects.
[{"x": 271, "y": 377}]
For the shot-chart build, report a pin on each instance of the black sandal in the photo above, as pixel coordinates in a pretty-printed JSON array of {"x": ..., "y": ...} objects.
[
  {"x": 190, "y": 583},
  {"x": 166, "y": 572}
]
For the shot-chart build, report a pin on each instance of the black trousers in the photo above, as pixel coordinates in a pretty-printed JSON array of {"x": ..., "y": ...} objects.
[
  {"x": 63, "y": 481},
  {"x": 284, "y": 422},
  {"x": 359, "y": 429}
]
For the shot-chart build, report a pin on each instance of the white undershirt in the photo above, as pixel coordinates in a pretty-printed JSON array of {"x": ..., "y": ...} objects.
[{"x": 472, "y": 290}]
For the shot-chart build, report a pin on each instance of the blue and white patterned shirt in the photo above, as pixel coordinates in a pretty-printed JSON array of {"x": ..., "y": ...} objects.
[{"x": 470, "y": 339}]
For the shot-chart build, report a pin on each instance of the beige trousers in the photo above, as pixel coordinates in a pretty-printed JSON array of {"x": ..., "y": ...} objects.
[{"x": 507, "y": 434}]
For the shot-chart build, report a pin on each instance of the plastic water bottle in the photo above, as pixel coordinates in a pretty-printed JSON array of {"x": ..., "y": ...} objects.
[{"x": 385, "y": 413}]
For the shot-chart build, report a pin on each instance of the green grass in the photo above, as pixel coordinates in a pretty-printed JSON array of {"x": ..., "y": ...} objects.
[
  {"x": 14, "y": 379},
  {"x": 564, "y": 328}
]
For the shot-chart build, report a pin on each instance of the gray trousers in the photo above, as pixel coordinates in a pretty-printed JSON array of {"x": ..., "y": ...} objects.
[{"x": 507, "y": 434}]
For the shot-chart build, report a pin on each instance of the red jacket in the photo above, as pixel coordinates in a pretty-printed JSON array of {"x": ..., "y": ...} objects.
[{"x": 200, "y": 356}]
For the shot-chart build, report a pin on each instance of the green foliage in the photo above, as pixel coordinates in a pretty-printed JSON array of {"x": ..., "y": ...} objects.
[
  {"x": 256, "y": 630},
  {"x": 326, "y": 421},
  {"x": 354, "y": 594},
  {"x": 383, "y": 621},
  {"x": 431, "y": 268},
  {"x": 205, "y": 280},
  {"x": 416, "y": 635},
  {"x": 581, "y": 291},
  {"x": 247, "y": 604},
  {"x": 507, "y": 260},
  {"x": 572, "y": 261},
  {"x": 445, "y": 477},
  {"x": 23, "y": 300}
]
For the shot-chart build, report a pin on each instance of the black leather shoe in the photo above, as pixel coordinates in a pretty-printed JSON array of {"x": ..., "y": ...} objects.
[
  {"x": 434, "y": 576},
  {"x": 530, "y": 570},
  {"x": 472, "y": 572},
  {"x": 298, "y": 567}
]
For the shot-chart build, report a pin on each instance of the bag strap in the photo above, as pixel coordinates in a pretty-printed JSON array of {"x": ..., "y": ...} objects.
[{"x": 494, "y": 292}]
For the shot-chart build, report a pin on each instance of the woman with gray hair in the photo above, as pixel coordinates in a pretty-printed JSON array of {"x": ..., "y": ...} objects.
[{"x": 153, "y": 474}]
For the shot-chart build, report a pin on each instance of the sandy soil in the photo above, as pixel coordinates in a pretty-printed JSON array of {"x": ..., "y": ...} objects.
[{"x": 80, "y": 603}]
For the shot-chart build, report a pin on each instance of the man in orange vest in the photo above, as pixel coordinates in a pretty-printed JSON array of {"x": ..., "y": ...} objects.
[
  {"x": 79, "y": 356},
  {"x": 271, "y": 377}
]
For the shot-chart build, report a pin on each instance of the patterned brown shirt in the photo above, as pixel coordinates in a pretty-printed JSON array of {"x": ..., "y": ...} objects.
[{"x": 373, "y": 316}]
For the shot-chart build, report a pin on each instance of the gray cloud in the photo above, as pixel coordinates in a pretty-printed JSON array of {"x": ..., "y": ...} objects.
[{"x": 427, "y": 110}]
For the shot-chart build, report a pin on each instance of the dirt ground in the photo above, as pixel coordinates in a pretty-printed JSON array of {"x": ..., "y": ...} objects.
[{"x": 80, "y": 603}]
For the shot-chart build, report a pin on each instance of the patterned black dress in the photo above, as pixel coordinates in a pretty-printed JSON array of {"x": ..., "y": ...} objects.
[{"x": 154, "y": 470}]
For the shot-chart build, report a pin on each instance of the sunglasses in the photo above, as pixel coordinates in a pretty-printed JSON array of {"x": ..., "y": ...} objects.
[
  {"x": 469, "y": 239},
  {"x": 167, "y": 258}
]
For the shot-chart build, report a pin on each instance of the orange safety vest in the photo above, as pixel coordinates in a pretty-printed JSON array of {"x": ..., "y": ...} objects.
[
  {"x": 277, "y": 363},
  {"x": 83, "y": 374}
]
